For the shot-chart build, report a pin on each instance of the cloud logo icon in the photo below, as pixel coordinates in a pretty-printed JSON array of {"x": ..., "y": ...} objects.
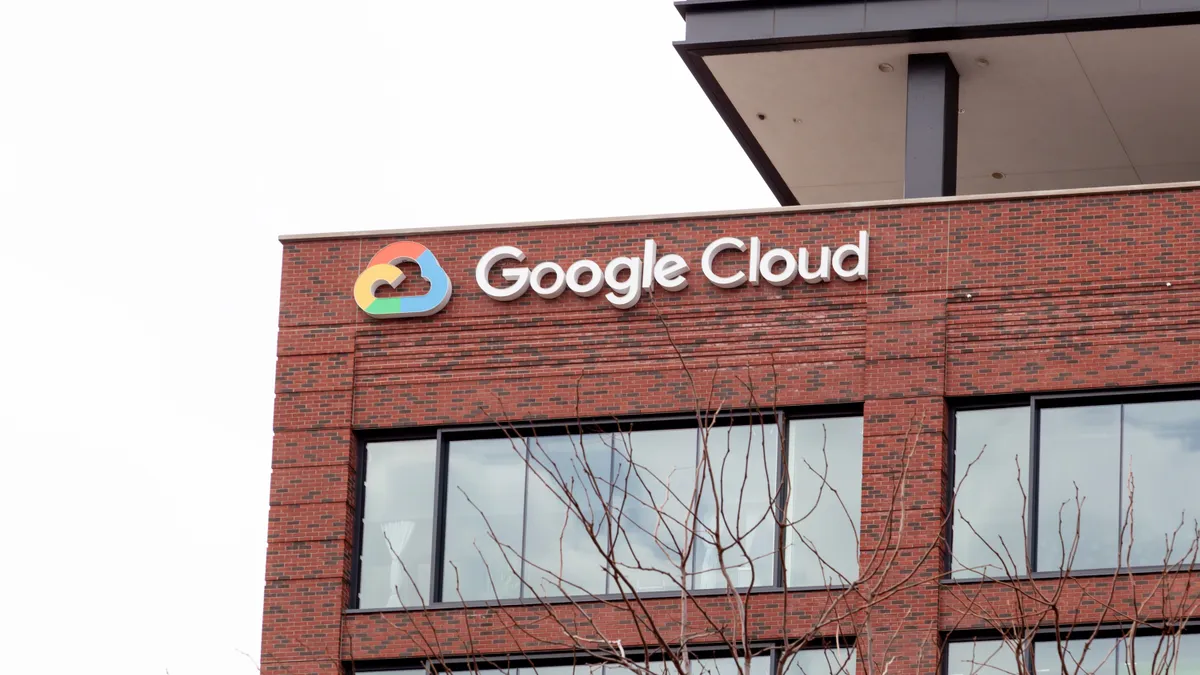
[{"x": 382, "y": 270}]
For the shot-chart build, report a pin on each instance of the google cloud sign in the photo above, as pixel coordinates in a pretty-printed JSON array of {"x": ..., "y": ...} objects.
[{"x": 624, "y": 278}]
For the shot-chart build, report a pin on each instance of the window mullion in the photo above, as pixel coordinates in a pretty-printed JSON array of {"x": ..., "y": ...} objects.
[
  {"x": 610, "y": 531},
  {"x": 693, "y": 519},
  {"x": 440, "y": 501},
  {"x": 524, "y": 519},
  {"x": 1035, "y": 464},
  {"x": 1124, "y": 499},
  {"x": 783, "y": 485}
]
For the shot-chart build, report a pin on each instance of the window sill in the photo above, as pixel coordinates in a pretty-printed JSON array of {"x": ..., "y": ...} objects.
[{"x": 583, "y": 600}]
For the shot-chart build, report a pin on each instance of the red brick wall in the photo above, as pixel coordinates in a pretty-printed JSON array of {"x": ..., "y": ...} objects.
[{"x": 964, "y": 298}]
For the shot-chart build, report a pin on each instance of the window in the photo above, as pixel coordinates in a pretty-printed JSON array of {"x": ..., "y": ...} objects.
[
  {"x": 397, "y": 541},
  {"x": 662, "y": 503},
  {"x": 825, "y": 463},
  {"x": 1107, "y": 478},
  {"x": 1142, "y": 655},
  {"x": 484, "y": 499},
  {"x": 804, "y": 662}
]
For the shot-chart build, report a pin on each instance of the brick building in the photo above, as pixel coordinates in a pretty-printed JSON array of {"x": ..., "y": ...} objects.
[{"x": 945, "y": 415}]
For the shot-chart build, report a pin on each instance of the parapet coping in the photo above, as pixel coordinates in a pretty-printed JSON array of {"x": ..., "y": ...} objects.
[{"x": 774, "y": 211}]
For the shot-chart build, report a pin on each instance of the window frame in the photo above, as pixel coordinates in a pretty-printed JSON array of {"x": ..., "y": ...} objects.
[
  {"x": 444, "y": 436},
  {"x": 1036, "y": 402},
  {"x": 1103, "y": 631}
]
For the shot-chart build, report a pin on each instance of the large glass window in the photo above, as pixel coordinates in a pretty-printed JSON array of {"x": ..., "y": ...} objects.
[
  {"x": 397, "y": 534},
  {"x": 1142, "y": 655},
  {"x": 805, "y": 662},
  {"x": 561, "y": 552},
  {"x": 991, "y": 467},
  {"x": 738, "y": 506},
  {"x": 990, "y": 657},
  {"x": 654, "y": 478},
  {"x": 1113, "y": 485},
  {"x": 824, "y": 504},
  {"x": 1080, "y": 455},
  {"x": 485, "y": 506},
  {"x": 548, "y": 515},
  {"x": 822, "y": 662}
]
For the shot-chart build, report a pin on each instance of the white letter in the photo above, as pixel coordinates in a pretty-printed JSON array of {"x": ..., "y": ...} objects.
[
  {"x": 711, "y": 252},
  {"x": 767, "y": 266},
  {"x": 595, "y": 281},
  {"x": 519, "y": 276},
  {"x": 631, "y": 287},
  {"x": 555, "y": 288},
  {"x": 822, "y": 273},
  {"x": 755, "y": 255},
  {"x": 648, "y": 264},
  {"x": 669, "y": 271},
  {"x": 860, "y": 267}
]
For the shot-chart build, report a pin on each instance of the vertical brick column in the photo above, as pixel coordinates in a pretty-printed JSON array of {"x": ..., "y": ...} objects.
[
  {"x": 313, "y": 471},
  {"x": 904, "y": 443}
]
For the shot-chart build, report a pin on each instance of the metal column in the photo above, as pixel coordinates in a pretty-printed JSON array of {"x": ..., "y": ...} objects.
[{"x": 931, "y": 130}]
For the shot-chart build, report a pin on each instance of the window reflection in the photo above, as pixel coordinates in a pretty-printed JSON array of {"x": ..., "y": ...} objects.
[
  {"x": 1080, "y": 448},
  {"x": 599, "y": 513},
  {"x": 1162, "y": 452},
  {"x": 742, "y": 463},
  {"x": 824, "y": 504},
  {"x": 1144, "y": 655},
  {"x": 991, "y": 471},
  {"x": 569, "y": 475},
  {"x": 992, "y": 657},
  {"x": 1077, "y": 656},
  {"x": 1151, "y": 655},
  {"x": 397, "y": 535},
  {"x": 654, "y": 476},
  {"x": 822, "y": 662},
  {"x": 733, "y": 666},
  {"x": 1132, "y": 465},
  {"x": 484, "y": 518}
]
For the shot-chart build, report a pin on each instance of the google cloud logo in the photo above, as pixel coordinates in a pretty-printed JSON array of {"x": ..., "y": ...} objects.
[{"x": 382, "y": 270}]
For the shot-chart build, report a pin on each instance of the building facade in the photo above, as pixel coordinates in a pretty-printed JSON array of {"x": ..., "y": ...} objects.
[{"x": 932, "y": 432}]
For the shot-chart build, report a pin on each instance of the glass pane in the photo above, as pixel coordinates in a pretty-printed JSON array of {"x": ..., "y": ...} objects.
[
  {"x": 1162, "y": 451},
  {"x": 759, "y": 665},
  {"x": 656, "y": 667},
  {"x": 484, "y": 512},
  {"x": 397, "y": 536},
  {"x": 986, "y": 657},
  {"x": 825, "y": 500},
  {"x": 654, "y": 477},
  {"x": 737, "y": 506},
  {"x": 1080, "y": 657},
  {"x": 593, "y": 669},
  {"x": 822, "y": 662},
  {"x": 989, "y": 532},
  {"x": 1155, "y": 655},
  {"x": 561, "y": 558},
  {"x": 1079, "y": 447}
]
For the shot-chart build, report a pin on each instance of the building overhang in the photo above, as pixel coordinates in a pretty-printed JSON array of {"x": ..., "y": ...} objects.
[{"x": 1054, "y": 94}]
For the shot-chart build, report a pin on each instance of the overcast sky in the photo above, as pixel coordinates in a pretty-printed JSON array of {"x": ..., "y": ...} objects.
[{"x": 150, "y": 154}]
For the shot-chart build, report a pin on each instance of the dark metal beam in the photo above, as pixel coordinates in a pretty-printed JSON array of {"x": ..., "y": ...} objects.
[{"x": 931, "y": 127}]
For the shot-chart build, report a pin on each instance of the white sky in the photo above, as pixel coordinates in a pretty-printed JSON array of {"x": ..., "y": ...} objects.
[{"x": 150, "y": 154}]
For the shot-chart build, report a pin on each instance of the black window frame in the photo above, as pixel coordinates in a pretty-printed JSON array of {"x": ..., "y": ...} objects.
[
  {"x": 1036, "y": 402},
  {"x": 1102, "y": 631},
  {"x": 445, "y": 435}
]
